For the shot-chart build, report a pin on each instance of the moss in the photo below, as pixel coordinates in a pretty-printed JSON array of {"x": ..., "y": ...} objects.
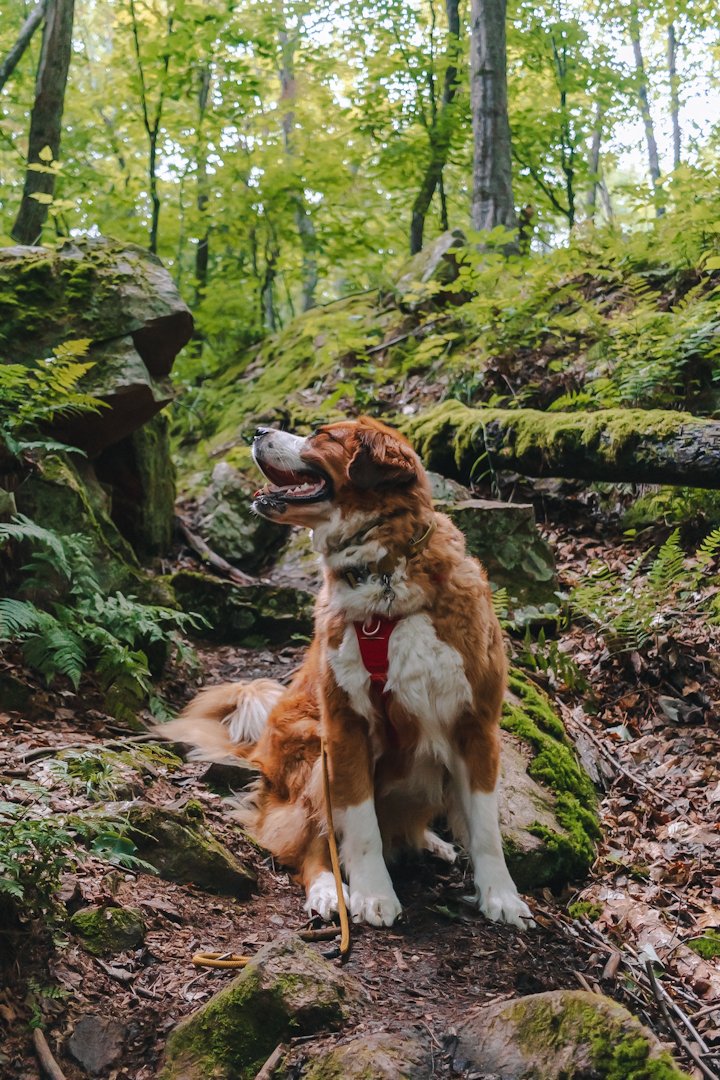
[
  {"x": 286, "y": 991},
  {"x": 452, "y": 434},
  {"x": 234, "y": 1036},
  {"x": 707, "y": 946},
  {"x": 532, "y": 719},
  {"x": 183, "y": 850},
  {"x": 586, "y": 908},
  {"x": 109, "y": 930},
  {"x": 617, "y": 1046}
]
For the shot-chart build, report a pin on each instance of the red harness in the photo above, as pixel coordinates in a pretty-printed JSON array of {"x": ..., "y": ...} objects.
[{"x": 374, "y": 638}]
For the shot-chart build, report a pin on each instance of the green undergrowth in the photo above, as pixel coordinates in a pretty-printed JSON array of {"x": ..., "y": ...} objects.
[
  {"x": 615, "y": 320},
  {"x": 707, "y": 945},
  {"x": 530, "y": 716}
]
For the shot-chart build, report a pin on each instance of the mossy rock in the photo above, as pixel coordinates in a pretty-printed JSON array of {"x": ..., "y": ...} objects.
[
  {"x": 108, "y": 930},
  {"x": 224, "y": 517},
  {"x": 548, "y": 805},
  {"x": 64, "y": 495},
  {"x": 425, "y": 277},
  {"x": 184, "y": 850},
  {"x": 377, "y": 1056},
  {"x": 140, "y": 476},
  {"x": 286, "y": 991},
  {"x": 562, "y": 1035},
  {"x": 244, "y": 615}
]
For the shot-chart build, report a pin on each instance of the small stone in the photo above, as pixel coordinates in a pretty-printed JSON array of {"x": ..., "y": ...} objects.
[
  {"x": 379, "y": 1056},
  {"x": 96, "y": 1043},
  {"x": 108, "y": 930}
]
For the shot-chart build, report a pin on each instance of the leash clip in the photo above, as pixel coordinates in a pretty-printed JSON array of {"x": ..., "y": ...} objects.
[{"x": 388, "y": 589}]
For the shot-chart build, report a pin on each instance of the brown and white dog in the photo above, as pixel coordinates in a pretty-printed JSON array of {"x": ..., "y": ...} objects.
[{"x": 404, "y": 678}]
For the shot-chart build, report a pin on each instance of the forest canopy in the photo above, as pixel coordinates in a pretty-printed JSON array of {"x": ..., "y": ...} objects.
[{"x": 277, "y": 154}]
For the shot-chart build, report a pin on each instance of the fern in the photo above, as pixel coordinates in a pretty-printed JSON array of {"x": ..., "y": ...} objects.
[
  {"x": 71, "y": 627},
  {"x": 629, "y": 609}
]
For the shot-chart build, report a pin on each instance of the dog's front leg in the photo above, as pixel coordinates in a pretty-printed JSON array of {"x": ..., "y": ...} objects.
[
  {"x": 372, "y": 896},
  {"x": 475, "y": 768}
]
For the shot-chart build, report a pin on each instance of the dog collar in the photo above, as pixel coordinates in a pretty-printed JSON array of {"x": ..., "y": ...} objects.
[{"x": 385, "y": 567}]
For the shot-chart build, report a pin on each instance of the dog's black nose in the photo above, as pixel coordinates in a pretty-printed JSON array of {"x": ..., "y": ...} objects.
[{"x": 259, "y": 432}]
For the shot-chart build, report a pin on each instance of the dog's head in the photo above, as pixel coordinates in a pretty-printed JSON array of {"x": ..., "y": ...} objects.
[{"x": 351, "y": 465}]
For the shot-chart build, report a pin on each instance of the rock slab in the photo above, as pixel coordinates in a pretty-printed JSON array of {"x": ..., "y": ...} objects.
[
  {"x": 96, "y": 1043},
  {"x": 562, "y": 1035},
  {"x": 184, "y": 850},
  {"x": 378, "y": 1056},
  {"x": 286, "y": 990}
]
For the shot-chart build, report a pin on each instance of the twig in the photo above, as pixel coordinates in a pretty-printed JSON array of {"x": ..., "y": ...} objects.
[
  {"x": 707, "y": 1010},
  {"x": 51, "y": 751},
  {"x": 49, "y": 1065},
  {"x": 415, "y": 332},
  {"x": 633, "y": 777},
  {"x": 210, "y": 557},
  {"x": 271, "y": 1064},
  {"x": 676, "y": 1033}
]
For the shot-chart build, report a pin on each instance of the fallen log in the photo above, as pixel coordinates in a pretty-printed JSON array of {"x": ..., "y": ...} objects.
[{"x": 648, "y": 446}]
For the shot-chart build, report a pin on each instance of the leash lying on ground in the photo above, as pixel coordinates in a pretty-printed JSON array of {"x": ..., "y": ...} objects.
[{"x": 233, "y": 960}]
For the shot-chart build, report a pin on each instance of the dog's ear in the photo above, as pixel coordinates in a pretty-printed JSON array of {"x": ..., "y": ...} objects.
[{"x": 381, "y": 459}]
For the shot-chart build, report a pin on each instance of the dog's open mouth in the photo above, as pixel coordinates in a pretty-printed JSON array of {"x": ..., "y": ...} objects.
[{"x": 293, "y": 486}]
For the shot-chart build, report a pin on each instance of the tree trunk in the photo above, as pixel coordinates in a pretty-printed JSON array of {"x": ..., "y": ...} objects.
[
  {"x": 616, "y": 445},
  {"x": 674, "y": 93},
  {"x": 644, "y": 103},
  {"x": 492, "y": 198},
  {"x": 15, "y": 55},
  {"x": 440, "y": 135},
  {"x": 46, "y": 120}
]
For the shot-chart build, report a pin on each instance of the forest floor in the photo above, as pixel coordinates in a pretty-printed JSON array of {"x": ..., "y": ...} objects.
[{"x": 646, "y": 727}]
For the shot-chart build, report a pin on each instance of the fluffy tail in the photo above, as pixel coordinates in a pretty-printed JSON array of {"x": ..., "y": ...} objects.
[{"x": 224, "y": 721}]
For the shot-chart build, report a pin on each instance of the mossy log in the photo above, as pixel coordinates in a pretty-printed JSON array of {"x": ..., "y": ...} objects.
[{"x": 647, "y": 446}]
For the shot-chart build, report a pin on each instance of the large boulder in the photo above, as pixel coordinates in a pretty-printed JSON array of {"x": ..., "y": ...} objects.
[
  {"x": 122, "y": 300},
  {"x": 286, "y": 991},
  {"x": 561, "y": 1035}
]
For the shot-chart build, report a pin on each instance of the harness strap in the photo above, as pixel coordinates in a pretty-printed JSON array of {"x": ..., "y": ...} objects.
[{"x": 374, "y": 639}]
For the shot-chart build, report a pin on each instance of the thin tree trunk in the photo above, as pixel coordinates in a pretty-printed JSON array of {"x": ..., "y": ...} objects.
[
  {"x": 440, "y": 135},
  {"x": 303, "y": 220},
  {"x": 202, "y": 255},
  {"x": 617, "y": 445},
  {"x": 492, "y": 198},
  {"x": 46, "y": 120},
  {"x": 152, "y": 126},
  {"x": 644, "y": 102},
  {"x": 15, "y": 55},
  {"x": 674, "y": 93},
  {"x": 594, "y": 163}
]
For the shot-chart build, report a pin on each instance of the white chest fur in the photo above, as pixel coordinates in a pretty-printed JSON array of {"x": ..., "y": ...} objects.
[{"x": 425, "y": 675}]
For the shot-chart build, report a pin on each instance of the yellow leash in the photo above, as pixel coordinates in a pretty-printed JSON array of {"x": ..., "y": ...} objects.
[
  {"x": 335, "y": 858},
  {"x": 232, "y": 960}
]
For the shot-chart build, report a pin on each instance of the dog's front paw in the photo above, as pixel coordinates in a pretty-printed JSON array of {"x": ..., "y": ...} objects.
[
  {"x": 498, "y": 899},
  {"x": 322, "y": 898},
  {"x": 376, "y": 910}
]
